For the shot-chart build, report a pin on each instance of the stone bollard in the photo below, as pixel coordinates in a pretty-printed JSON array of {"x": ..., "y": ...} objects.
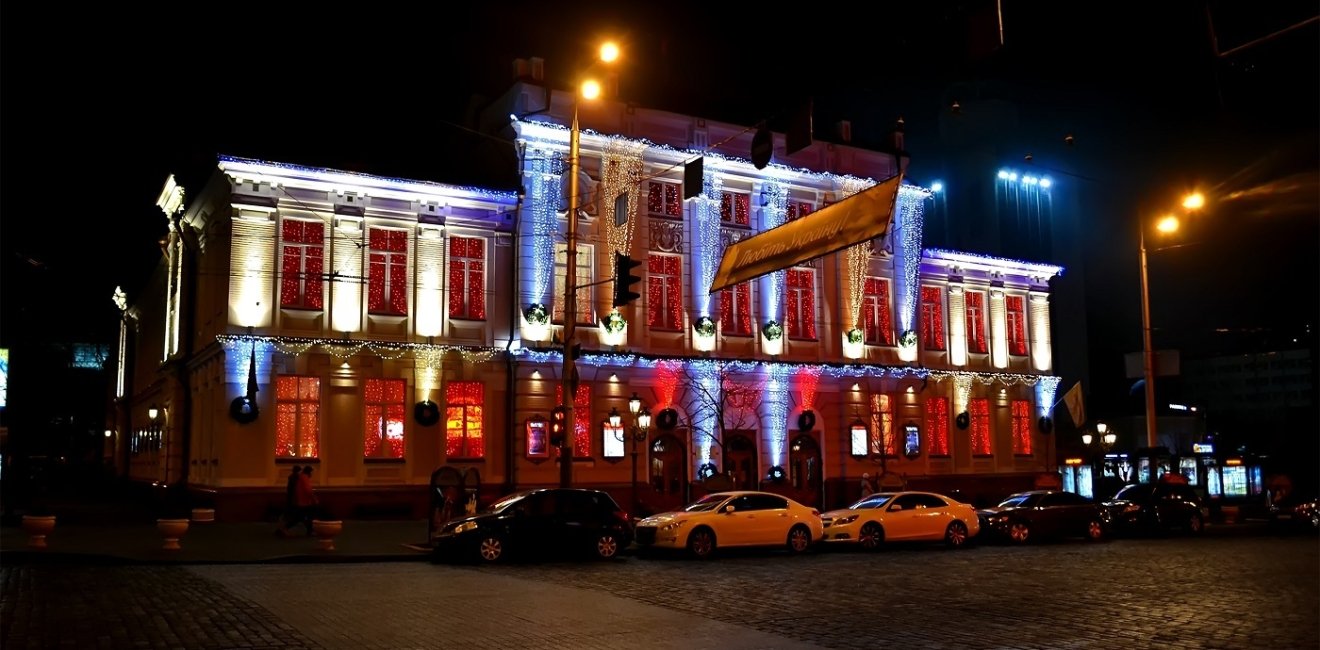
[
  {"x": 38, "y": 527},
  {"x": 325, "y": 532},
  {"x": 172, "y": 530}
]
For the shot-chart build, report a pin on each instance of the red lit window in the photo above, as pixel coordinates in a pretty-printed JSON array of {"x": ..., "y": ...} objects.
[
  {"x": 736, "y": 208},
  {"x": 297, "y": 416},
  {"x": 736, "y": 309},
  {"x": 581, "y": 419},
  {"x": 801, "y": 311},
  {"x": 382, "y": 434},
  {"x": 467, "y": 278},
  {"x": 974, "y": 306},
  {"x": 664, "y": 291},
  {"x": 937, "y": 425},
  {"x": 585, "y": 266},
  {"x": 979, "y": 410},
  {"x": 1021, "y": 427},
  {"x": 797, "y": 210},
  {"x": 932, "y": 318},
  {"x": 664, "y": 199},
  {"x": 302, "y": 244},
  {"x": 883, "y": 439},
  {"x": 465, "y": 419},
  {"x": 1017, "y": 325},
  {"x": 877, "y": 320},
  {"x": 387, "y": 285}
]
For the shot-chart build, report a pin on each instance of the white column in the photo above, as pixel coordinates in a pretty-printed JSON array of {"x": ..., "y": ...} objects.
[
  {"x": 957, "y": 324},
  {"x": 998, "y": 329},
  {"x": 1042, "y": 350}
]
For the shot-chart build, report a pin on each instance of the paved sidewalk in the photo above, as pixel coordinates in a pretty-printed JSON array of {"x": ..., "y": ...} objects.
[{"x": 216, "y": 543}]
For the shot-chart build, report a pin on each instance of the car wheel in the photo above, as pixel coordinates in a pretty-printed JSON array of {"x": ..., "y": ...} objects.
[
  {"x": 607, "y": 546},
  {"x": 490, "y": 548},
  {"x": 1095, "y": 530},
  {"x": 871, "y": 536},
  {"x": 701, "y": 543},
  {"x": 1195, "y": 525},
  {"x": 956, "y": 534},
  {"x": 799, "y": 540},
  {"x": 1019, "y": 532}
]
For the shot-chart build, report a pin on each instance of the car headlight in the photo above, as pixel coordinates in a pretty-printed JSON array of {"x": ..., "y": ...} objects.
[
  {"x": 673, "y": 525},
  {"x": 845, "y": 520},
  {"x": 465, "y": 527}
]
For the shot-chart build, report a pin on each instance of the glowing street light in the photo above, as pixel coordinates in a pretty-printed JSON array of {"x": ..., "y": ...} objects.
[
  {"x": 590, "y": 89},
  {"x": 1165, "y": 225}
]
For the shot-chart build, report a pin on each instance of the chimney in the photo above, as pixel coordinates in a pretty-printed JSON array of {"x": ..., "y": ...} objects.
[
  {"x": 844, "y": 130},
  {"x": 538, "y": 68}
]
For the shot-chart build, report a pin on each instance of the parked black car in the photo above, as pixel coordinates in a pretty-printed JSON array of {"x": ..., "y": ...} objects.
[
  {"x": 552, "y": 522},
  {"x": 1299, "y": 513},
  {"x": 1158, "y": 507},
  {"x": 1027, "y": 516}
]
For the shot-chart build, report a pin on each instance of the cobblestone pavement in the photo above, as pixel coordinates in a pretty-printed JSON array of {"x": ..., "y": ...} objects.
[{"x": 1172, "y": 593}]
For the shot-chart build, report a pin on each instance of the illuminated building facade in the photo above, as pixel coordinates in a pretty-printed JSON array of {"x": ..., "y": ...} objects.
[{"x": 381, "y": 329}]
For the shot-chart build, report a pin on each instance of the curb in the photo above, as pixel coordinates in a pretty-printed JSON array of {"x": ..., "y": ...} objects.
[{"x": 18, "y": 558}]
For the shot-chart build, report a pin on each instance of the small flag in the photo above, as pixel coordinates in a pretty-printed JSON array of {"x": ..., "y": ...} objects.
[
  {"x": 693, "y": 178},
  {"x": 1076, "y": 408}
]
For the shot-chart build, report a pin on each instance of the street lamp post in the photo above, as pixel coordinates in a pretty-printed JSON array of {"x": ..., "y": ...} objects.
[
  {"x": 641, "y": 428},
  {"x": 1166, "y": 224},
  {"x": 1105, "y": 441},
  {"x": 590, "y": 89}
]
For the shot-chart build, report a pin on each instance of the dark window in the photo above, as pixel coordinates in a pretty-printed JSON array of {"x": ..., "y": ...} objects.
[
  {"x": 906, "y": 502},
  {"x": 765, "y": 502},
  {"x": 579, "y": 504},
  {"x": 930, "y": 501},
  {"x": 1062, "y": 499}
]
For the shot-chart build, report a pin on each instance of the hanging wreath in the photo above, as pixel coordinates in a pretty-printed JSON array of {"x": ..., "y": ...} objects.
[
  {"x": 243, "y": 410},
  {"x": 772, "y": 330},
  {"x": 706, "y": 470},
  {"x": 615, "y": 323},
  {"x": 667, "y": 419},
  {"x": 426, "y": 413},
  {"x": 536, "y": 314},
  {"x": 908, "y": 339},
  {"x": 807, "y": 421},
  {"x": 705, "y": 326},
  {"x": 1046, "y": 424},
  {"x": 856, "y": 336},
  {"x": 776, "y": 474},
  {"x": 963, "y": 420}
]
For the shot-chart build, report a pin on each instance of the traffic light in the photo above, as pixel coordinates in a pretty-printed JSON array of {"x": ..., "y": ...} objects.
[
  {"x": 624, "y": 280},
  {"x": 557, "y": 417}
]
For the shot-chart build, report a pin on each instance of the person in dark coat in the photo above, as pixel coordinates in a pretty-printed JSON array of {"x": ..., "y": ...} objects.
[{"x": 291, "y": 515}]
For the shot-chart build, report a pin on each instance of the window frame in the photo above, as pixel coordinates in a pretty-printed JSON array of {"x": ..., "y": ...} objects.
[
  {"x": 1016, "y": 325},
  {"x": 586, "y": 274},
  {"x": 1021, "y": 427},
  {"x": 792, "y": 293},
  {"x": 455, "y": 401},
  {"x": 470, "y": 302},
  {"x": 933, "y": 334},
  {"x": 738, "y": 294},
  {"x": 730, "y": 201},
  {"x": 975, "y": 317},
  {"x": 383, "y": 402},
  {"x": 392, "y": 258},
  {"x": 666, "y": 186},
  {"x": 669, "y": 304},
  {"x": 876, "y": 311},
  {"x": 978, "y": 415},
  {"x": 298, "y": 402},
  {"x": 304, "y": 278}
]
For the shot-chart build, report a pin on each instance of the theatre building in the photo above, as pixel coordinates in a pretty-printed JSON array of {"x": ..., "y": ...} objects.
[{"x": 390, "y": 331}]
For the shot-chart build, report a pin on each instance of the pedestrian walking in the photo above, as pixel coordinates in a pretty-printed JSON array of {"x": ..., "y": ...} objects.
[
  {"x": 867, "y": 487},
  {"x": 306, "y": 499},
  {"x": 290, "y": 515}
]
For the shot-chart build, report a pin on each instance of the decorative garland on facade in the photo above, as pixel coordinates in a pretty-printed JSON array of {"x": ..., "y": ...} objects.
[
  {"x": 343, "y": 349},
  {"x": 615, "y": 323},
  {"x": 705, "y": 326},
  {"x": 536, "y": 314},
  {"x": 772, "y": 330}
]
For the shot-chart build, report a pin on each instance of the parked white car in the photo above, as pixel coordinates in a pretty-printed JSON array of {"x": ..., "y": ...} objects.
[
  {"x": 902, "y": 517},
  {"x": 732, "y": 519}
]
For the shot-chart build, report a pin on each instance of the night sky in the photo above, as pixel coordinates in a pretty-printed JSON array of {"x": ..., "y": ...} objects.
[{"x": 102, "y": 103}]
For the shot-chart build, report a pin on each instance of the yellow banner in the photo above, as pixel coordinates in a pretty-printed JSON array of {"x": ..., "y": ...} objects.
[{"x": 862, "y": 216}]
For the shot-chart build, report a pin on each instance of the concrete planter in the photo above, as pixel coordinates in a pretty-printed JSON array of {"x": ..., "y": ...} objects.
[
  {"x": 200, "y": 515},
  {"x": 172, "y": 530},
  {"x": 326, "y": 532},
  {"x": 38, "y": 527}
]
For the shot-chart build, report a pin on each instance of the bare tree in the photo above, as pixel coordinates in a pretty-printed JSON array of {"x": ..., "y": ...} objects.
[{"x": 718, "y": 391}]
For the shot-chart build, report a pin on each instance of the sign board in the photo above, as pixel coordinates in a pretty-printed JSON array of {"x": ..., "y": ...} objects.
[{"x": 862, "y": 216}]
